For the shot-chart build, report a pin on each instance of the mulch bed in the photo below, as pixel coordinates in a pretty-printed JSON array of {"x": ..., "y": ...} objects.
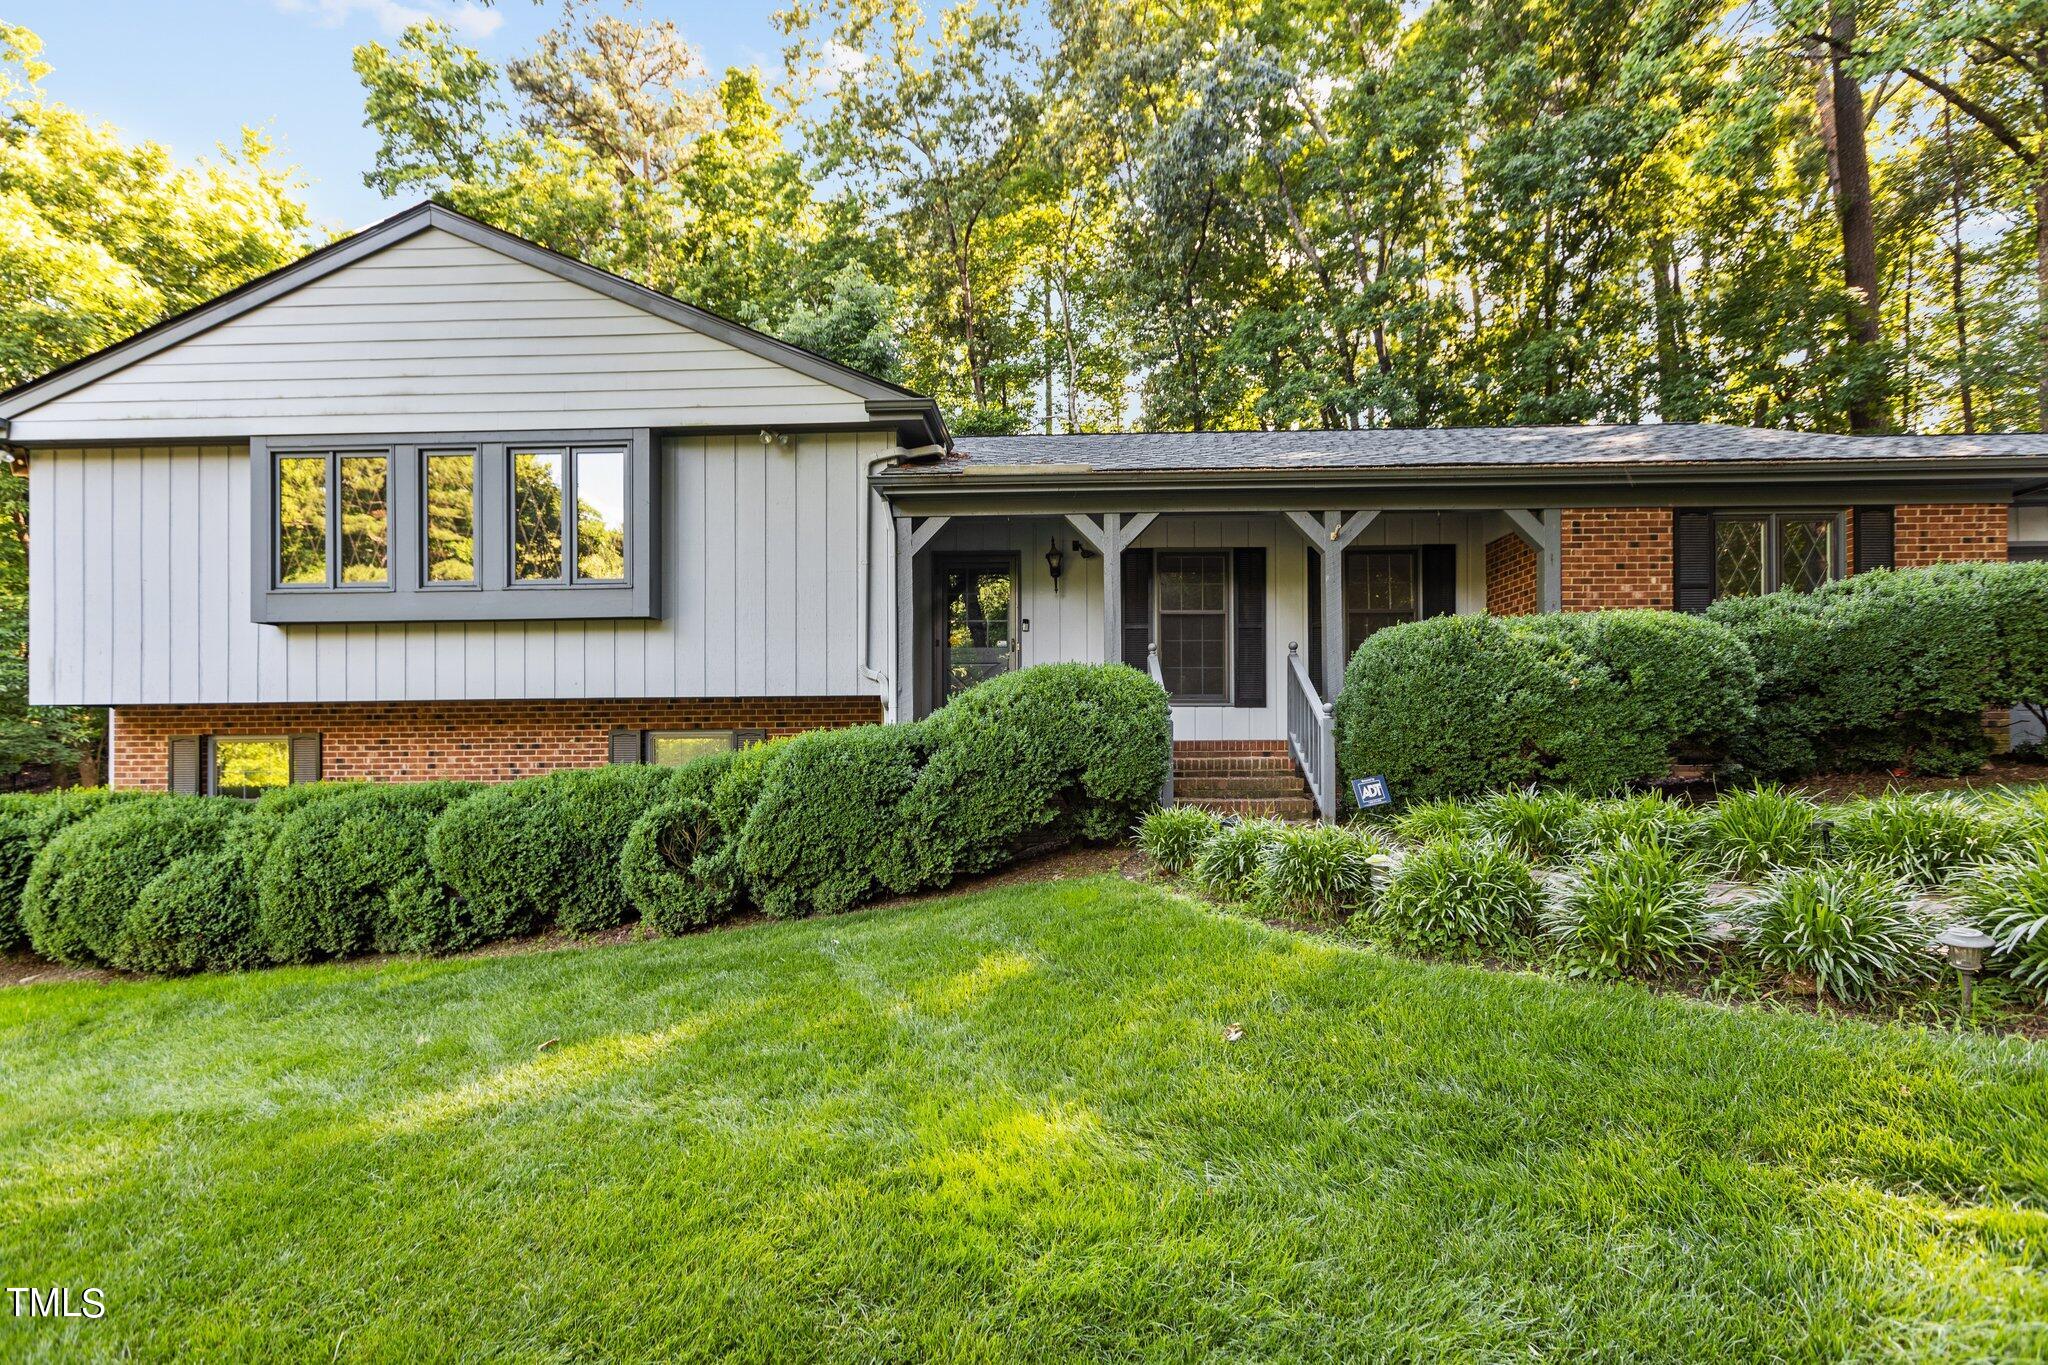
[{"x": 1844, "y": 786}]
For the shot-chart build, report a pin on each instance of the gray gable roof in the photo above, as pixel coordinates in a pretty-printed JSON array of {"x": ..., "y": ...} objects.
[{"x": 1516, "y": 447}]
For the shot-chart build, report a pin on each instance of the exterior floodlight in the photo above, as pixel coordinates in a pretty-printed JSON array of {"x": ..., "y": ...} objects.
[{"x": 1966, "y": 948}]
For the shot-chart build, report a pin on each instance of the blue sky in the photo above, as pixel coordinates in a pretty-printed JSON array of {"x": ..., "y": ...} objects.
[{"x": 190, "y": 74}]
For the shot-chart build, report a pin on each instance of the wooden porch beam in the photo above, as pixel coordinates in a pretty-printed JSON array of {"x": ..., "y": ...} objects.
[
  {"x": 1543, "y": 530},
  {"x": 912, "y": 535}
]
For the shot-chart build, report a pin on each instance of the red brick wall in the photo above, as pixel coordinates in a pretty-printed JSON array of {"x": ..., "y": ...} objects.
[
  {"x": 1510, "y": 577},
  {"x": 1946, "y": 533},
  {"x": 1617, "y": 557},
  {"x": 488, "y": 741}
]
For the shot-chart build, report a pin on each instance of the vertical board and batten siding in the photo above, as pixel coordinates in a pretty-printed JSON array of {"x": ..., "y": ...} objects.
[
  {"x": 1068, "y": 625},
  {"x": 435, "y": 333},
  {"x": 139, "y": 575}
]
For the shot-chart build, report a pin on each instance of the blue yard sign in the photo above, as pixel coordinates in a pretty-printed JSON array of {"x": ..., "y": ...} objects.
[{"x": 1367, "y": 792}]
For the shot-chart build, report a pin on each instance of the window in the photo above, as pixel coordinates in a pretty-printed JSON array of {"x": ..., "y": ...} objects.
[
  {"x": 592, "y": 543},
  {"x": 1755, "y": 554},
  {"x": 673, "y": 748},
  {"x": 601, "y": 516},
  {"x": 1380, "y": 590},
  {"x": 1194, "y": 624},
  {"x": 317, "y": 548},
  {"x": 537, "y": 515},
  {"x": 450, "y": 516},
  {"x": 250, "y": 767}
]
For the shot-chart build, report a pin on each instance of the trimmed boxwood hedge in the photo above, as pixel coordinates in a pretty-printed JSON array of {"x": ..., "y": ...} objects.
[
  {"x": 86, "y": 881},
  {"x": 27, "y": 822}
]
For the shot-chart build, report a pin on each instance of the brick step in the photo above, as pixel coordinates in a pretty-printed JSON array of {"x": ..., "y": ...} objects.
[
  {"x": 1275, "y": 807},
  {"x": 1276, "y": 784},
  {"x": 1232, "y": 767}
]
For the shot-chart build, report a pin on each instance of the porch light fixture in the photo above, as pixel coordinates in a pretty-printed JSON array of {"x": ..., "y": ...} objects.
[
  {"x": 1966, "y": 948},
  {"x": 1054, "y": 562}
]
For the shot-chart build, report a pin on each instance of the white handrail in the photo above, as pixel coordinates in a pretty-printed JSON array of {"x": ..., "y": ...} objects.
[
  {"x": 1312, "y": 735},
  {"x": 1152, "y": 667}
]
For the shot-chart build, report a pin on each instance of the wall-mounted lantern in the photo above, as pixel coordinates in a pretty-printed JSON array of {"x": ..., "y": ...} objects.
[{"x": 1054, "y": 562}]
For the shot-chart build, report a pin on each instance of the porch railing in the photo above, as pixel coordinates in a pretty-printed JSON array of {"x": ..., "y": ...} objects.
[
  {"x": 1152, "y": 667},
  {"x": 1312, "y": 735}
]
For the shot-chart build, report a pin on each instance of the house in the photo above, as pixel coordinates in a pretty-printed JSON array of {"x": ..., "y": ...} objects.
[{"x": 436, "y": 502}]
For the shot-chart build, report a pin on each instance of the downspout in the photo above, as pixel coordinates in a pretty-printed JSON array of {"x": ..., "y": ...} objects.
[{"x": 867, "y": 587}]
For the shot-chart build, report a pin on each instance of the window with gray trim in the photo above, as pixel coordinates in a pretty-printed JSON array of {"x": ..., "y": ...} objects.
[
  {"x": 1762, "y": 552},
  {"x": 1192, "y": 589},
  {"x": 457, "y": 526}
]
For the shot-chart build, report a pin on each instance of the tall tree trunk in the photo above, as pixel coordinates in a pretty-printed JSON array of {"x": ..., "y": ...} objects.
[
  {"x": 1842, "y": 131},
  {"x": 1045, "y": 347},
  {"x": 1667, "y": 307},
  {"x": 1958, "y": 301}
]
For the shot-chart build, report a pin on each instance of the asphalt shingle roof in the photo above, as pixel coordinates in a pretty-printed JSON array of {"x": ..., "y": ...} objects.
[{"x": 1470, "y": 446}]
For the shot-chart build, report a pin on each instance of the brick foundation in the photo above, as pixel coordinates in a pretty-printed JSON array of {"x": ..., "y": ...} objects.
[
  {"x": 1617, "y": 557},
  {"x": 1948, "y": 533},
  {"x": 486, "y": 741},
  {"x": 1510, "y": 577}
]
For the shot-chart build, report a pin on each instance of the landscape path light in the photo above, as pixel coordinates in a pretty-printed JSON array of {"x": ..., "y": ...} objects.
[{"x": 1966, "y": 946}]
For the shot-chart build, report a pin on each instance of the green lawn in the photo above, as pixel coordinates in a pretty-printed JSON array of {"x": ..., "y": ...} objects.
[{"x": 1006, "y": 1126}]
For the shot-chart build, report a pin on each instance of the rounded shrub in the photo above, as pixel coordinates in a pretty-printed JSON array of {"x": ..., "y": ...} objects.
[
  {"x": 1538, "y": 825},
  {"x": 2008, "y": 899},
  {"x": 350, "y": 872},
  {"x": 1643, "y": 818},
  {"x": 1749, "y": 833},
  {"x": 1852, "y": 929},
  {"x": 1636, "y": 908},
  {"x": 1171, "y": 836},
  {"x": 1322, "y": 872},
  {"x": 27, "y": 822},
  {"x": 197, "y": 915},
  {"x": 88, "y": 878},
  {"x": 545, "y": 849},
  {"x": 828, "y": 828},
  {"x": 1456, "y": 894},
  {"x": 1923, "y": 839},
  {"x": 1227, "y": 864},
  {"x": 658, "y": 861}
]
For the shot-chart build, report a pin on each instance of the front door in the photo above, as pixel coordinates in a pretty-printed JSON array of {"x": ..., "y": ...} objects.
[{"x": 977, "y": 620}]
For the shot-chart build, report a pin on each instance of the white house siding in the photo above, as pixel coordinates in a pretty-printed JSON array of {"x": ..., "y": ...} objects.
[
  {"x": 1067, "y": 625},
  {"x": 139, "y": 590},
  {"x": 435, "y": 333}
]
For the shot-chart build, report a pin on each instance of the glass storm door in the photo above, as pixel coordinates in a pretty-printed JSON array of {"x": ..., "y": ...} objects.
[{"x": 977, "y": 621}]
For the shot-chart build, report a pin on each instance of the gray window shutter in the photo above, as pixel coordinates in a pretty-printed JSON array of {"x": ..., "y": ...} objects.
[
  {"x": 1439, "y": 569},
  {"x": 188, "y": 765},
  {"x": 1248, "y": 582},
  {"x": 1873, "y": 538},
  {"x": 628, "y": 746},
  {"x": 1692, "y": 560},
  {"x": 1315, "y": 615},
  {"x": 305, "y": 758},
  {"x": 1137, "y": 607}
]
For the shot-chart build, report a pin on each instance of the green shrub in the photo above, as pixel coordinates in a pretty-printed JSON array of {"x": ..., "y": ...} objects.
[
  {"x": 1751, "y": 832},
  {"x": 197, "y": 915},
  {"x": 1538, "y": 825},
  {"x": 545, "y": 848},
  {"x": 1037, "y": 756},
  {"x": 1171, "y": 836},
  {"x": 1921, "y": 838},
  {"x": 2009, "y": 901},
  {"x": 1319, "y": 871},
  {"x": 656, "y": 866},
  {"x": 1632, "y": 909},
  {"x": 1424, "y": 822},
  {"x": 1459, "y": 705},
  {"x": 27, "y": 822},
  {"x": 1852, "y": 929},
  {"x": 1645, "y": 818},
  {"x": 1227, "y": 865},
  {"x": 88, "y": 878},
  {"x": 1455, "y": 894},
  {"x": 829, "y": 828},
  {"x": 350, "y": 872}
]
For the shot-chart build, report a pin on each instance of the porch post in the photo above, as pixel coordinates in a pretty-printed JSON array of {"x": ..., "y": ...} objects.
[
  {"x": 1109, "y": 538},
  {"x": 1331, "y": 533},
  {"x": 912, "y": 535},
  {"x": 1543, "y": 529}
]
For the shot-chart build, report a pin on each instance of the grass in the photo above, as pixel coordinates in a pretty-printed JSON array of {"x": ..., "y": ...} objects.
[{"x": 1006, "y": 1125}]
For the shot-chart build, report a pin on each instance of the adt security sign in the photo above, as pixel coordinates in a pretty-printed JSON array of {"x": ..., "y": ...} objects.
[{"x": 1367, "y": 792}]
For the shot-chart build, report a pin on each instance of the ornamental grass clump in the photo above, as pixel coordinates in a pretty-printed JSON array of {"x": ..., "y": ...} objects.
[
  {"x": 1646, "y": 818},
  {"x": 1852, "y": 928},
  {"x": 1749, "y": 833},
  {"x": 1425, "y": 822},
  {"x": 1634, "y": 909},
  {"x": 1228, "y": 863},
  {"x": 2008, "y": 899},
  {"x": 1322, "y": 872},
  {"x": 1171, "y": 836},
  {"x": 1457, "y": 894},
  {"x": 1539, "y": 825},
  {"x": 1923, "y": 839}
]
